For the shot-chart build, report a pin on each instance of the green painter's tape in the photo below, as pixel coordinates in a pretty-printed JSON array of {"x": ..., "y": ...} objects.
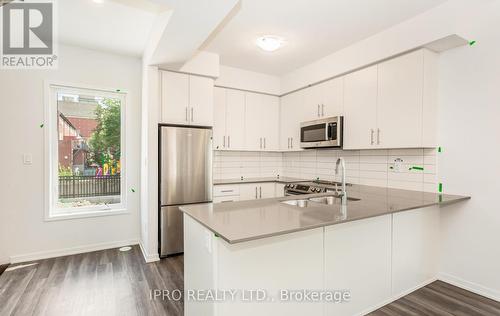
[
  {"x": 216, "y": 236},
  {"x": 416, "y": 168},
  {"x": 440, "y": 150},
  {"x": 133, "y": 190},
  {"x": 472, "y": 43},
  {"x": 41, "y": 125},
  {"x": 440, "y": 188}
]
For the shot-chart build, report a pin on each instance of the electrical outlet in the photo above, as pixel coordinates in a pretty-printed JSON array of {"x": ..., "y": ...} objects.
[{"x": 398, "y": 165}]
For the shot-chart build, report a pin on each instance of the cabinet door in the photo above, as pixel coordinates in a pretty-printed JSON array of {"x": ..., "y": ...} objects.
[
  {"x": 254, "y": 121},
  {"x": 219, "y": 131},
  {"x": 279, "y": 190},
  {"x": 267, "y": 190},
  {"x": 291, "y": 117},
  {"x": 360, "y": 108},
  {"x": 235, "y": 119},
  {"x": 174, "y": 98},
  {"x": 270, "y": 122},
  {"x": 358, "y": 258},
  {"x": 249, "y": 191},
  {"x": 333, "y": 97},
  {"x": 313, "y": 98},
  {"x": 400, "y": 95},
  {"x": 201, "y": 98}
]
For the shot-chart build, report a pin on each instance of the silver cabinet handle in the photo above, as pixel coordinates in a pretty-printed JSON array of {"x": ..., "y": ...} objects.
[
  {"x": 226, "y": 191},
  {"x": 187, "y": 119},
  {"x": 261, "y": 143},
  {"x": 260, "y": 192},
  {"x": 192, "y": 115},
  {"x": 229, "y": 142},
  {"x": 291, "y": 142},
  {"x": 264, "y": 143},
  {"x": 224, "y": 141},
  {"x": 378, "y": 136},
  {"x": 227, "y": 201},
  {"x": 288, "y": 143},
  {"x": 318, "y": 111},
  {"x": 322, "y": 110},
  {"x": 371, "y": 136},
  {"x": 255, "y": 192}
]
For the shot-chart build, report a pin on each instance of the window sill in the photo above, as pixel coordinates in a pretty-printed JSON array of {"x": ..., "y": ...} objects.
[{"x": 85, "y": 214}]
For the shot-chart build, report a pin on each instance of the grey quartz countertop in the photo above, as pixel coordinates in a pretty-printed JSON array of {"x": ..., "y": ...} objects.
[
  {"x": 258, "y": 180},
  {"x": 242, "y": 221}
]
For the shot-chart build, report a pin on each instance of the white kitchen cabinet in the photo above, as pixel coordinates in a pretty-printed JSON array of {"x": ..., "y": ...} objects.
[
  {"x": 291, "y": 115},
  {"x": 246, "y": 191},
  {"x": 219, "y": 130},
  {"x": 415, "y": 248},
  {"x": 324, "y": 99},
  {"x": 399, "y": 109},
  {"x": 186, "y": 99},
  {"x": 279, "y": 190},
  {"x": 174, "y": 98},
  {"x": 201, "y": 97},
  {"x": 333, "y": 97},
  {"x": 261, "y": 122},
  {"x": 360, "y": 109},
  {"x": 235, "y": 119},
  {"x": 358, "y": 258}
]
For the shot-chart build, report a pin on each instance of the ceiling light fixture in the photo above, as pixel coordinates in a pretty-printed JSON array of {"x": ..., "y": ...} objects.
[{"x": 269, "y": 43}]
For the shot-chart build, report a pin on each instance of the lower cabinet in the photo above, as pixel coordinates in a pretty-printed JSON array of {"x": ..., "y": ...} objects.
[
  {"x": 247, "y": 191},
  {"x": 358, "y": 259}
]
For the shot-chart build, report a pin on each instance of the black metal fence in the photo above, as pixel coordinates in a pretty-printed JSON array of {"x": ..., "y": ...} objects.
[{"x": 87, "y": 186}]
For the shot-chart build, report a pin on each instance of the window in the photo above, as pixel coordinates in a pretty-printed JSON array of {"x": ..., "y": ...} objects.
[{"x": 86, "y": 163}]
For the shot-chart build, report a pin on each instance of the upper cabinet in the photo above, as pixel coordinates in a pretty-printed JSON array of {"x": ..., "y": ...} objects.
[
  {"x": 261, "y": 122},
  {"x": 360, "y": 108},
  {"x": 291, "y": 115},
  {"x": 229, "y": 119},
  {"x": 324, "y": 99},
  {"x": 186, "y": 99},
  {"x": 392, "y": 104}
]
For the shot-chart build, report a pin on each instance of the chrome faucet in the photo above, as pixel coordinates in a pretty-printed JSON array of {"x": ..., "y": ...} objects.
[{"x": 343, "y": 194}]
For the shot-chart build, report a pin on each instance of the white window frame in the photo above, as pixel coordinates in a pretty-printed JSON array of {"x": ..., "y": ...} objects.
[{"x": 51, "y": 154}]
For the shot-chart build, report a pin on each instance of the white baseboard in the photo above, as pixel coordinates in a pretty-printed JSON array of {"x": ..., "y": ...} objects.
[
  {"x": 70, "y": 251},
  {"x": 397, "y": 297},
  {"x": 149, "y": 257},
  {"x": 470, "y": 286}
]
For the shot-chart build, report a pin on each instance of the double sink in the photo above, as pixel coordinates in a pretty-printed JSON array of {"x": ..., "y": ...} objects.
[{"x": 324, "y": 200}]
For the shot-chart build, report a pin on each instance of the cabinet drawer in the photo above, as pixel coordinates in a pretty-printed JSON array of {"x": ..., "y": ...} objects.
[
  {"x": 226, "y": 199},
  {"x": 226, "y": 190}
]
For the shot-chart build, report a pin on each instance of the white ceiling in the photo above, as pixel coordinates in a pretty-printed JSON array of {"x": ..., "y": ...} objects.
[
  {"x": 311, "y": 28},
  {"x": 119, "y": 26}
]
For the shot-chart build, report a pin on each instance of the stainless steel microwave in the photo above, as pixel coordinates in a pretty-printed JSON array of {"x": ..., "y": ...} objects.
[{"x": 327, "y": 132}]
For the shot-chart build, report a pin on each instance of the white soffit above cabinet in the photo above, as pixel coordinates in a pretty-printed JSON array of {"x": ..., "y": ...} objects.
[{"x": 311, "y": 29}]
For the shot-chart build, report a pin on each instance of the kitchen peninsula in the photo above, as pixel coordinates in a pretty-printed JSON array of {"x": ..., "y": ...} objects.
[{"x": 380, "y": 246}]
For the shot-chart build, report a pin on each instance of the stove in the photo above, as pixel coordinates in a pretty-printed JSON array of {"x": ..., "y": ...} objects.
[{"x": 312, "y": 187}]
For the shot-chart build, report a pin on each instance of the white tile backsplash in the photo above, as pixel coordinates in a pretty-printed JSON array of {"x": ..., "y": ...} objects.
[{"x": 370, "y": 167}]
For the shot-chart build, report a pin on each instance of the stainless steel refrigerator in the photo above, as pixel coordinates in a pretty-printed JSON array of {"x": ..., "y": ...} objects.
[{"x": 185, "y": 172}]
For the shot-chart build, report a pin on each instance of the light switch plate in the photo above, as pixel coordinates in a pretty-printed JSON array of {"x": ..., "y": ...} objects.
[{"x": 27, "y": 159}]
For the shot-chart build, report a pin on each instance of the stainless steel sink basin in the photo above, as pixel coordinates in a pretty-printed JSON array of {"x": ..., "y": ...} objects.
[
  {"x": 298, "y": 203},
  {"x": 330, "y": 199}
]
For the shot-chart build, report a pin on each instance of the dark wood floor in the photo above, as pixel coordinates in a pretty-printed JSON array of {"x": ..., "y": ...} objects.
[
  {"x": 111, "y": 282},
  {"x": 106, "y": 282},
  {"x": 3, "y": 267},
  {"x": 439, "y": 298}
]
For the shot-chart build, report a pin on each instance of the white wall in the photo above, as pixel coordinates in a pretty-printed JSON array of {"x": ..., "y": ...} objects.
[
  {"x": 23, "y": 231},
  {"x": 248, "y": 80},
  {"x": 469, "y": 133}
]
